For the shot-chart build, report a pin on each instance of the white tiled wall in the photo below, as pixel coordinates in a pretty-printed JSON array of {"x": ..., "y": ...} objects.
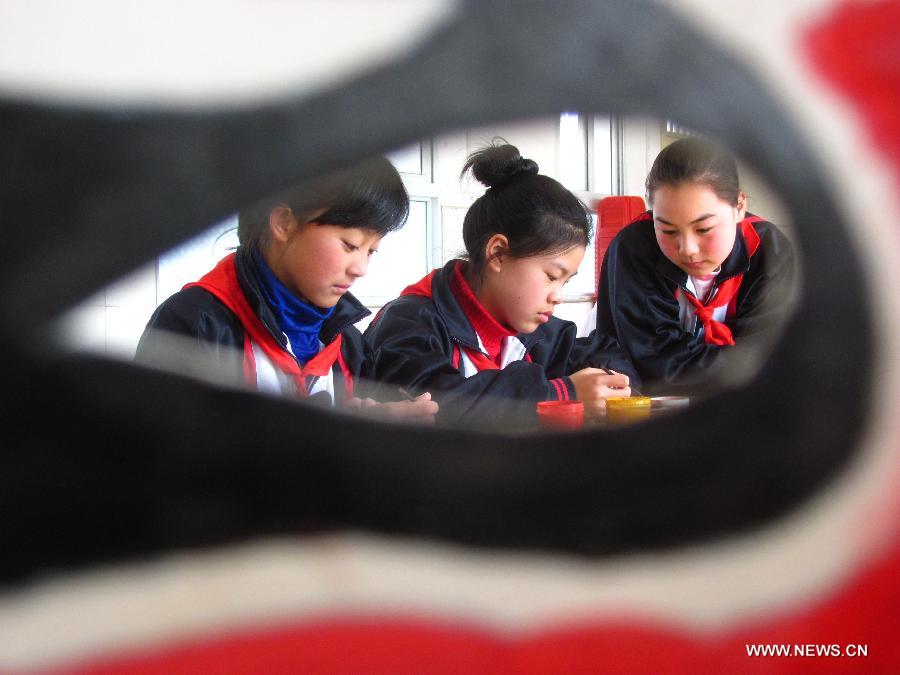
[
  {"x": 112, "y": 320},
  {"x": 85, "y": 327}
]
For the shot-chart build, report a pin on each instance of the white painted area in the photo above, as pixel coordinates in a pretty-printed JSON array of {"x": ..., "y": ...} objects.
[
  {"x": 201, "y": 52},
  {"x": 194, "y": 596}
]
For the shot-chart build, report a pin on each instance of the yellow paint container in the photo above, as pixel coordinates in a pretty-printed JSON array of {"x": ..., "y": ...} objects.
[{"x": 627, "y": 409}]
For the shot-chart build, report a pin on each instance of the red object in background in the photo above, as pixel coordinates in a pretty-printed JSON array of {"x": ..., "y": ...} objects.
[{"x": 613, "y": 213}]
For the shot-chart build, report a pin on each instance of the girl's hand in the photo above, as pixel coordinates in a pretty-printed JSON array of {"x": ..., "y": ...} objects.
[
  {"x": 357, "y": 403},
  {"x": 593, "y": 386},
  {"x": 420, "y": 410}
]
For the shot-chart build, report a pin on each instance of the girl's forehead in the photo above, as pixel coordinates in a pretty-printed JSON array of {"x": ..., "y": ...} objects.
[
  {"x": 366, "y": 233},
  {"x": 568, "y": 259},
  {"x": 685, "y": 191},
  {"x": 688, "y": 200}
]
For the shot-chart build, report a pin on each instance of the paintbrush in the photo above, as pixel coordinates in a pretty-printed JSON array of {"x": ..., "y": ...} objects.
[{"x": 634, "y": 392}]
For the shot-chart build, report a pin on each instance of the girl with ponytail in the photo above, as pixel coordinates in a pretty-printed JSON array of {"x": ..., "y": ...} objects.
[{"x": 694, "y": 276}]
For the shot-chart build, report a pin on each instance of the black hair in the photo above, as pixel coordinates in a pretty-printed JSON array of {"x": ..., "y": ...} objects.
[
  {"x": 534, "y": 212},
  {"x": 695, "y": 160},
  {"x": 368, "y": 195}
]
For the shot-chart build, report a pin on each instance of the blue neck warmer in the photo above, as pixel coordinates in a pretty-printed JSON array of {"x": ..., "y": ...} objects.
[{"x": 299, "y": 320}]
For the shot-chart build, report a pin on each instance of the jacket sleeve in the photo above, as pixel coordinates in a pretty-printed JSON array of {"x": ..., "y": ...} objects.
[
  {"x": 412, "y": 349},
  {"x": 568, "y": 354},
  {"x": 193, "y": 332},
  {"x": 767, "y": 291},
  {"x": 638, "y": 306}
]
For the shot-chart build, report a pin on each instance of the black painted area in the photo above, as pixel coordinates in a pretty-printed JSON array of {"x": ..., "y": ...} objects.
[{"x": 102, "y": 461}]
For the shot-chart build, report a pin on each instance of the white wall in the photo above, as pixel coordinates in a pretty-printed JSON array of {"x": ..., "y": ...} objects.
[
  {"x": 641, "y": 143},
  {"x": 112, "y": 320}
]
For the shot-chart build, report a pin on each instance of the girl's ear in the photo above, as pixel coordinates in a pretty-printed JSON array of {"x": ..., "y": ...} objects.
[
  {"x": 281, "y": 222},
  {"x": 494, "y": 250},
  {"x": 741, "y": 206}
]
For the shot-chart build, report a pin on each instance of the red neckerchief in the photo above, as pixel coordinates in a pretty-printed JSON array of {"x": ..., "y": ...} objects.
[
  {"x": 486, "y": 326},
  {"x": 479, "y": 318},
  {"x": 223, "y": 283},
  {"x": 716, "y": 332}
]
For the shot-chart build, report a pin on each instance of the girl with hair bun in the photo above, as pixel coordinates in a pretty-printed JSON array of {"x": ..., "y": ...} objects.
[
  {"x": 695, "y": 275},
  {"x": 480, "y": 334}
]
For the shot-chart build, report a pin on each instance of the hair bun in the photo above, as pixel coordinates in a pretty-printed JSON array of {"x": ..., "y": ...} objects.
[{"x": 496, "y": 164}]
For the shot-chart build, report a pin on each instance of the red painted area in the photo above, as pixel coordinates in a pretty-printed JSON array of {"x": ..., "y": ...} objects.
[
  {"x": 864, "y": 612},
  {"x": 857, "y": 50}
]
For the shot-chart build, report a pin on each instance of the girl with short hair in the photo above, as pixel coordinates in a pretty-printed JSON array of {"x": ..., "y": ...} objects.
[{"x": 279, "y": 310}]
